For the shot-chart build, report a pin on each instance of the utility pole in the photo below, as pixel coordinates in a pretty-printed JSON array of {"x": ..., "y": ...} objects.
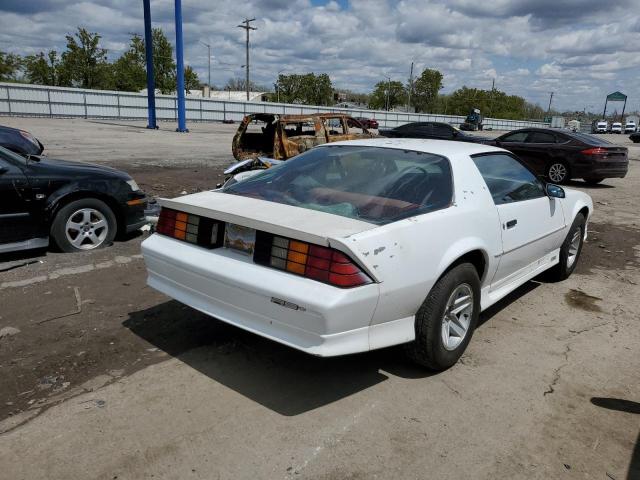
[
  {"x": 493, "y": 87},
  {"x": 278, "y": 84},
  {"x": 246, "y": 25},
  {"x": 388, "y": 92},
  {"x": 209, "y": 57},
  {"x": 410, "y": 88},
  {"x": 550, "y": 98}
]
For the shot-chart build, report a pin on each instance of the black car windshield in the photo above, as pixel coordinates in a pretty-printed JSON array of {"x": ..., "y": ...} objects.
[{"x": 373, "y": 184}]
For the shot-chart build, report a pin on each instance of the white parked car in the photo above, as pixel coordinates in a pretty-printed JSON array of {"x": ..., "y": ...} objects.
[
  {"x": 602, "y": 127},
  {"x": 630, "y": 126},
  {"x": 616, "y": 127},
  {"x": 358, "y": 245}
]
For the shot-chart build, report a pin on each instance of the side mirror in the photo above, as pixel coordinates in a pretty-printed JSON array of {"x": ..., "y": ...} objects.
[
  {"x": 554, "y": 191},
  {"x": 3, "y": 170}
]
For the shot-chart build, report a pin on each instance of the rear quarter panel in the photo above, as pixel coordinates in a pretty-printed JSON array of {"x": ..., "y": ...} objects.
[{"x": 408, "y": 256}]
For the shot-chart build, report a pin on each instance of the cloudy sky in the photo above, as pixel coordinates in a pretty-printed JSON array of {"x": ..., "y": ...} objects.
[{"x": 579, "y": 49}]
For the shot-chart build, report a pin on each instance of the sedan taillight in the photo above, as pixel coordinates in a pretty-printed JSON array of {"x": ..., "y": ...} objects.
[
  {"x": 191, "y": 228},
  {"x": 594, "y": 151},
  {"x": 323, "y": 264}
]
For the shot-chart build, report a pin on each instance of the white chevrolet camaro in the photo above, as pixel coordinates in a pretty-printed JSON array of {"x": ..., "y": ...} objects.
[{"x": 359, "y": 245}]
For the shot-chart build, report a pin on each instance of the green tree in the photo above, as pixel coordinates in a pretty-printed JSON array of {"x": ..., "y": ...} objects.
[
  {"x": 191, "y": 80},
  {"x": 44, "y": 69},
  {"x": 164, "y": 68},
  {"x": 85, "y": 63},
  {"x": 425, "y": 90},
  {"x": 9, "y": 65},
  {"x": 388, "y": 95},
  {"x": 130, "y": 69},
  {"x": 306, "y": 89}
]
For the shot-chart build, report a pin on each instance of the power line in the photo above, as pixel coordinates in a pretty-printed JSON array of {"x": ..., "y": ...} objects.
[{"x": 246, "y": 25}]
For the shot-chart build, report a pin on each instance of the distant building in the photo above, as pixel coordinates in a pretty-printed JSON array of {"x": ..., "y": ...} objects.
[{"x": 231, "y": 95}]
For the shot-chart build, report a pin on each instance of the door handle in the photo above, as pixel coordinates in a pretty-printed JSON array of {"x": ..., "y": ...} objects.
[{"x": 512, "y": 223}]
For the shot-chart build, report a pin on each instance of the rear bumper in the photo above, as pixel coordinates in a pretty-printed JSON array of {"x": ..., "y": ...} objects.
[
  {"x": 601, "y": 169},
  {"x": 228, "y": 286}
]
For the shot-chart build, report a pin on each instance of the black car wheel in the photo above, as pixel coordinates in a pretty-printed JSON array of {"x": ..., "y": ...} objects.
[
  {"x": 557, "y": 172},
  {"x": 84, "y": 224},
  {"x": 446, "y": 320}
]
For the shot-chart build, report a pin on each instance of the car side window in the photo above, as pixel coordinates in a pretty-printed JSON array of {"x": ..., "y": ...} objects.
[
  {"x": 515, "y": 137},
  {"x": 541, "y": 137},
  {"x": 507, "y": 179},
  {"x": 443, "y": 131}
]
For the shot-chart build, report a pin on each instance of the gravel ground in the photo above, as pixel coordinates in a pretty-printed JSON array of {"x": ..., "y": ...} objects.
[{"x": 102, "y": 377}]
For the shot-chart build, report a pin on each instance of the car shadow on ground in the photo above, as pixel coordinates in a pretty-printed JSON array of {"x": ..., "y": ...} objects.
[
  {"x": 280, "y": 378},
  {"x": 581, "y": 184},
  {"x": 628, "y": 406}
]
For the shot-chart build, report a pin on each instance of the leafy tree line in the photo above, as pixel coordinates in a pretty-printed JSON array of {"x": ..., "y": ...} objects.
[
  {"x": 425, "y": 98},
  {"x": 84, "y": 64}
]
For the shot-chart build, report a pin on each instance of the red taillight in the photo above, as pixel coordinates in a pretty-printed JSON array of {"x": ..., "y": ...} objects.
[
  {"x": 594, "y": 151},
  {"x": 190, "y": 228},
  {"x": 312, "y": 261}
]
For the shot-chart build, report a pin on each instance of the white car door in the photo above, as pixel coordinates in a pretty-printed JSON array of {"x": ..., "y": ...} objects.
[{"x": 532, "y": 224}]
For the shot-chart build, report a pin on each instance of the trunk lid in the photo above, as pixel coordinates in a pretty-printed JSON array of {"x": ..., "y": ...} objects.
[{"x": 294, "y": 222}]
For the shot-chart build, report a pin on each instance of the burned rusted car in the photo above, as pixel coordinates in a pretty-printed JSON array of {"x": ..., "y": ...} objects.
[{"x": 284, "y": 136}]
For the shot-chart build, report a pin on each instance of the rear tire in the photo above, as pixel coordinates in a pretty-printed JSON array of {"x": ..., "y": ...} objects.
[
  {"x": 440, "y": 338},
  {"x": 593, "y": 180},
  {"x": 569, "y": 251},
  {"x": 84, "y": 224},
  {"x": 557, "y": 172}
]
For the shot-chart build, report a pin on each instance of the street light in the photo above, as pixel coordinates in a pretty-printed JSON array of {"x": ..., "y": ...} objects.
[{"x": 209, "y": 58}]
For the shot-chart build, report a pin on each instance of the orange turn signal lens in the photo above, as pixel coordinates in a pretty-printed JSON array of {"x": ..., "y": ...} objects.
[
  {"x": 182, "y": 217},
  {"x": 295, "y": 268},
  {"x": 298, "y": 246},
  {"x": 297, "y": 257},
  {"x": 180, "y": 234}
]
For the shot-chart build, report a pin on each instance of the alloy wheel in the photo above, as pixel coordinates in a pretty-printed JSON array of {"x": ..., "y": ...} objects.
[
  {"x": 86, "y": 228},
  {"x": 574, "y": 248},
  {"x": 457, "y": 316},
  {"x": 557, "y": 172}
]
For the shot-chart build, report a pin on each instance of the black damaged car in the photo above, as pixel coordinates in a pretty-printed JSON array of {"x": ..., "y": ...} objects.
[{"x": 79, "y": 206}]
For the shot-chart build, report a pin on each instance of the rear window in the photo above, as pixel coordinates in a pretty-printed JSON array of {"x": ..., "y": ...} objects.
[
  {"x": 373, "y": 184},
  {"x": 590, "y": 139}
]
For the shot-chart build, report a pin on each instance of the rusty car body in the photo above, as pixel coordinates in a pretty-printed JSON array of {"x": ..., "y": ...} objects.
[{"x": 284, "y": 136}]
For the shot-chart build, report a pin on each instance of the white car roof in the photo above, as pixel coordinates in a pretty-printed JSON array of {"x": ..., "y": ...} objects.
[{"x": 447, "y": 148}]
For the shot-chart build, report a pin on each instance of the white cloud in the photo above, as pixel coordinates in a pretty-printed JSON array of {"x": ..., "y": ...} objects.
[{"x": 580, "y": 49}]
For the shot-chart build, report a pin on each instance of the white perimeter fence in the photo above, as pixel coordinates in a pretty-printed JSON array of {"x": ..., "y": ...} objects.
[{"x": 41, "y": 101}]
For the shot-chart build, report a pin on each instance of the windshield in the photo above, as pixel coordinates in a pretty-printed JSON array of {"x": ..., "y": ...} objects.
[{"x": 373, "y": 184}]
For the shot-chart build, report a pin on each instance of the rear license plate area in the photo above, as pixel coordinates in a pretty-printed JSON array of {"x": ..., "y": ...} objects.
[{"x": 239, "y": 238}]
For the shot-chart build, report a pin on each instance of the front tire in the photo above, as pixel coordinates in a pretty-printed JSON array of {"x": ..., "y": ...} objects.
[
  {"x": 84, "y": 224},
  {"x": 446, "y": 320},
  {"x": 557, "y": 172},
  {"x": 569, "y": 251}
]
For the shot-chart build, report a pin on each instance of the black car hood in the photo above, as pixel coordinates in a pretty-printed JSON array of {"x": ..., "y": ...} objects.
[{"x": 55, "y": 165}]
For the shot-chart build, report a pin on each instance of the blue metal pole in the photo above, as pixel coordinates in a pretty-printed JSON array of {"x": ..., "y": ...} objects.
[
  {"x": 148, "y": 47},
  {"x": 182, "y": 126}
]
